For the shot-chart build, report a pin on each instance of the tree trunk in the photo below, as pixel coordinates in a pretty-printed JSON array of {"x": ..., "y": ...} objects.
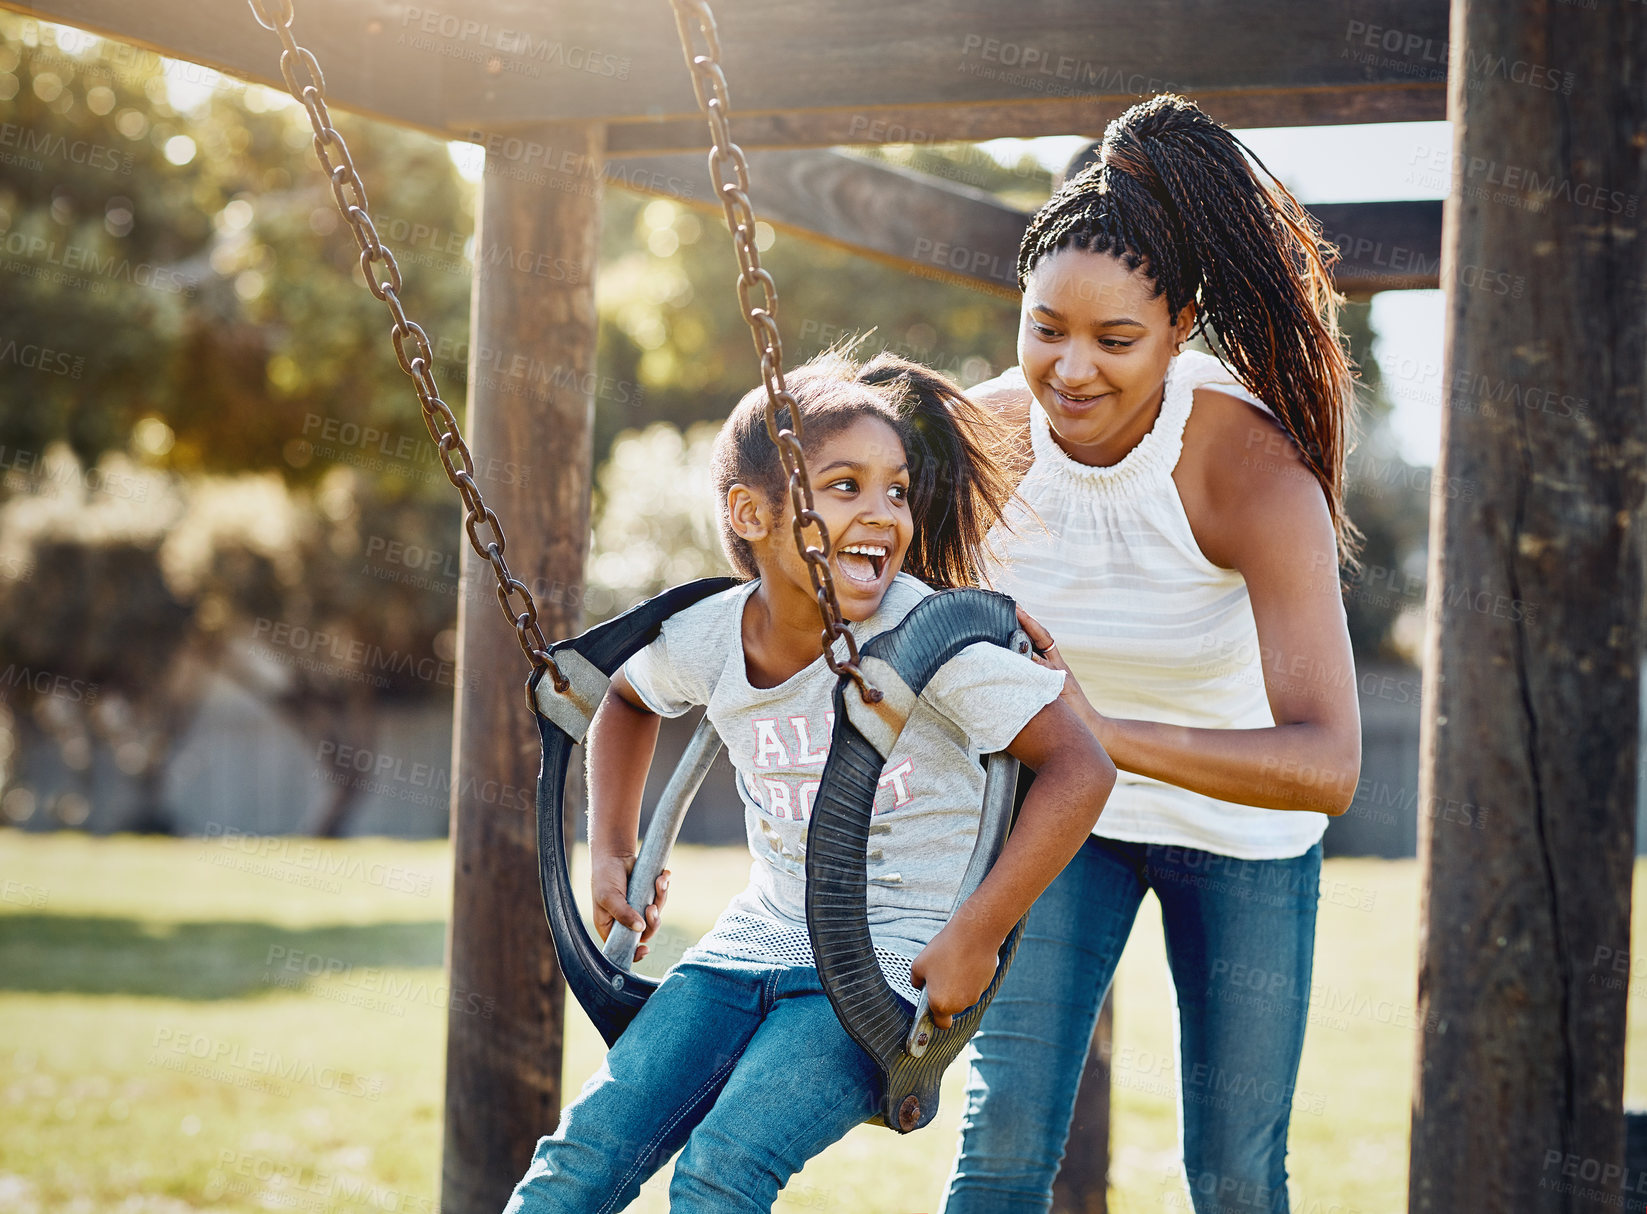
[{"x": 1532, "y": 662}]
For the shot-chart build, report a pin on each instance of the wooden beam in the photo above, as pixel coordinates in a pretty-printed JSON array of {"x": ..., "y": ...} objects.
[
  {"x": 1532, "y": 665},
  {"x": 1329, "y": 105},
  {"x": 530, "y": 433},
  {"x": 929, "y": 226},
  {"x": 1383, "y": 246},
  {"x": 945, "y": 230},
  {"x": 825, "y": 71}
]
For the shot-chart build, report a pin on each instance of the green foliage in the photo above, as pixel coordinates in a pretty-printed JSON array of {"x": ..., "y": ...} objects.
[
  {"x": 186, "y": 260},
  {"x": 671, "y": 322}
]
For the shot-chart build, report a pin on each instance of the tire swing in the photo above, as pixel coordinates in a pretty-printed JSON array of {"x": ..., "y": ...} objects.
[
  {"x": 912, "y": 1052},
  {"x": 569, "y": 679}
]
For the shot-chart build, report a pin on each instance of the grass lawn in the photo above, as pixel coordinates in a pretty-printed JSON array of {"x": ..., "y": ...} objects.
[{"x": 162, "y": 1047}]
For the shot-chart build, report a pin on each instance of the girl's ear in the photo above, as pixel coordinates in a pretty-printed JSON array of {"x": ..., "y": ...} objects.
[{"x": 748, "y": 512}]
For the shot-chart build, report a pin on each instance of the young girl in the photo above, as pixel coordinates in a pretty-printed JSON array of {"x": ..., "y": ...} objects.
[{"x": 738, "y": 1056}]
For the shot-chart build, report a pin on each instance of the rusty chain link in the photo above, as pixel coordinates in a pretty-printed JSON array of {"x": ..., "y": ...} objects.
[
  {"x": 730, "y": 172},
  {"x": 308, "y": 86}
]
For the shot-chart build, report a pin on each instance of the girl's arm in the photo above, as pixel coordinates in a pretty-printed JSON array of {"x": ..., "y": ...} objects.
[
  {"x": 1073, "y": 777},
  {"x": 1255, "y": 507},
  {"x": 622, "y": 738}
]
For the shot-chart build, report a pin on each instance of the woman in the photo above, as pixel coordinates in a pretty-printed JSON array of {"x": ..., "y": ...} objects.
[{"x": 1183, "y": 567}]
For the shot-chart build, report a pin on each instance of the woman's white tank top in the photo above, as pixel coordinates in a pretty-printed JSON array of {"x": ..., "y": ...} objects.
[{"x": 1152, "y": 629}]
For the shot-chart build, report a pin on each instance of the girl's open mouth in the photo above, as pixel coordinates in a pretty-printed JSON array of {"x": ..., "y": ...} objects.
[{"x": 862, "y": 562}]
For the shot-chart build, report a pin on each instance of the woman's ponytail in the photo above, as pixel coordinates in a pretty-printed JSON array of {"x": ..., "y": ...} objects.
[{"x": 1174, "y": 193}]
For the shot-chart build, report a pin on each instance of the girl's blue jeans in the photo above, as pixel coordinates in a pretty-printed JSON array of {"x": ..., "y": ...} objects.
[
  {"x": 742, "y": 1064},
  {"x": 1240, "y": 938}
]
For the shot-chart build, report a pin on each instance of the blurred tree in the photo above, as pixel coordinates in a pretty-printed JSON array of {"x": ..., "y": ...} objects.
[
  {"x": 1389, "y": 500},
  {"x": 671, "y": 328},
  {"x": 659, "y": 524},
  {"x": 176, "y": 292}
]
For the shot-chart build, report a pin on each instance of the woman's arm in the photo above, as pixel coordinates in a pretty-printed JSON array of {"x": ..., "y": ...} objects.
[
  {"x": 1073, "y": 778},
  {"x": 622, "y": 737},
  {"x": 1254, "y": 507}
]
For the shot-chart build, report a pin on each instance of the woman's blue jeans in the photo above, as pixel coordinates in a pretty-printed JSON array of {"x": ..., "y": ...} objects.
[
  {"x": 1240, "y": 938},
  {"x": 742, "y": 1064}
]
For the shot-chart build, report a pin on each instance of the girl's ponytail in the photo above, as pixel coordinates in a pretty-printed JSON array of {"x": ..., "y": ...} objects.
[
  {"x": 1174, "y": 194},
  {"x": 959, "y": 483}
]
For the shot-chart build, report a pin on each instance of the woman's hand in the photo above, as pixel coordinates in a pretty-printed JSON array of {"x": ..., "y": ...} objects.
[
  {"x": 1046, "y": 654},
  {"x": 609, "y": 886},
  {"x": 956, "y": 969}
]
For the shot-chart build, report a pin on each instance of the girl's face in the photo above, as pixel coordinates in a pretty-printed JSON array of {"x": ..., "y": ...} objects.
[
  {"x": 860, "y": 485},
  {"x": 1094, "y": 342}
]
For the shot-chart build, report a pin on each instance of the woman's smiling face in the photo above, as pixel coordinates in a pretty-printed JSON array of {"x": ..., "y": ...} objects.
[{"x": 1094, "y": 342}]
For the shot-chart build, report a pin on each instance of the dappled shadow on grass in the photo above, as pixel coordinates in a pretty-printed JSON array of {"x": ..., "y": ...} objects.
[{"x": 59, "y": 954}]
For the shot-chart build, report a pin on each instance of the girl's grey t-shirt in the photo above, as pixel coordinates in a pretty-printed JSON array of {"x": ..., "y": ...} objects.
[{"x": 925, "y": 819}]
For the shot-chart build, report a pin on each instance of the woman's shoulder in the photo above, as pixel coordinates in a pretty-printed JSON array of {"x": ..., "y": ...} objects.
[
  {"x": 1239, "y": 472},
  {"x": 1228, "y": 420}
]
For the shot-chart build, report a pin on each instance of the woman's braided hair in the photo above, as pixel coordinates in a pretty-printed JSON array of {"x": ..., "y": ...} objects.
[{"x": 1173, "y": 195}]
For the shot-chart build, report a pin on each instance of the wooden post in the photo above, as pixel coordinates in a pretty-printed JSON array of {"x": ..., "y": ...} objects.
[
  {"x": 531, "y": 364},
  {"x": 1082, "y": 1186},
  {"x": 1531, "y": 670}
]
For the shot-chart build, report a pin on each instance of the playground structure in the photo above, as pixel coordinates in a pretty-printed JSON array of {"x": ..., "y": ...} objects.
[{"x": 1531, "y": 714}]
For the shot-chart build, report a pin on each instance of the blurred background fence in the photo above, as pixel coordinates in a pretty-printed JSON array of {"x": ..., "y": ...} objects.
[{"x": 241, "y": 768}]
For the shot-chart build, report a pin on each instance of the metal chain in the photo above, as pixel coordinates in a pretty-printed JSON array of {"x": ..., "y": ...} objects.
[
  {"x": 307, "y": 85},
  {"x": 730, "y": 172}
]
